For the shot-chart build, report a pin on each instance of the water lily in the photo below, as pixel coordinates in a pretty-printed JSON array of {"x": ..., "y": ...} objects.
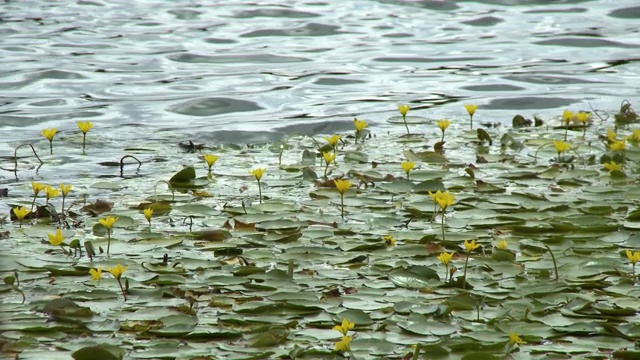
[
  {"x": 359, "y": 125},
  {"x": 389, "y": 240},
  {"x": 611, "y": 135},
  {"x": 443, "y": 125},
  {"x": 634, "y": 257},
  {"x": 344, "y": 344},
  {"x": 583, "y": 118},
  {"x": 407, "y": 166},
  {"x": 56, "y": 239},
  {"x": 20, "y": 213},
  {"x": 37, "y": 187},
  {"x": 51, "y": 192},
  {"x": 502, "y": 244},
  {"x": 117, "y": 272},
  {"x": 328, "y": 158},
  {"x": 561, "y": 147},
  {"x": 342, "y": 185},
  {"x": 618, "y": 145},
  {"x": 445, "y": 258},
  {"x": 612, "y": 166},
  {"x": 333, "y": 140},
  {"x": 84, "y": 126},
  {"x": 471, "y": 109},
  {"x": 404, "y": 109},
  {"x": 515, "y": 339},
  {"x": 64, "y": 189},
  {"x": 634, "y": 138},
  {"x": 469, "y": 247},
  {"x": 96, "y": 274},
  {"x": 444, "y": 200},
  {"x": 148, "y": 212},
  {"x": 344, "y": 327},
  {"x": 210, "y": 159},
  {"x": 108, "y": 223},
  {"x": 257, "y": 173},
  {"x": 49, "y": 134},
  {"x": 567, "y": 116}
]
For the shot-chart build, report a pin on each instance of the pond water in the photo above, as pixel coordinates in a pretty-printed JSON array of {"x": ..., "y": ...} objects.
[{"x": 234, "y": 71}]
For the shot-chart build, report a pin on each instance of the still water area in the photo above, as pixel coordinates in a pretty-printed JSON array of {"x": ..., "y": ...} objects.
[{"x": 246, "y": 72}]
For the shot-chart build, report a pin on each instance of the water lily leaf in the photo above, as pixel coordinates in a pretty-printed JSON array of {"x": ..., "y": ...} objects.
[
  {"x": 101, "y": 351},
  {"x": 356, "y": 156},
  {"x": 66, "y": 308},
  {"x": 424, "y": 156},
  {"x": 213, "y": 235},
  {"x": 429, "y": 185},
  {"x": 358, "y": 317},
  {"x": 185, "y": 175},
  {"x": 272, "y": 337},
  {"x": 480, "y": 356},
  {"x": 483, "y": 135}
]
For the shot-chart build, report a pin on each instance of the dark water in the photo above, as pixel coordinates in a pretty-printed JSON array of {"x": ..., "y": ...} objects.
[{"x": 215, "y": 68}]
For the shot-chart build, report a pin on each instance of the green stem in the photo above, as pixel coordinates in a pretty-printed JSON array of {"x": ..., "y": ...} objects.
[
  {"x": 342, "y": 204},
  {"x": 471, "y": 122},
  {"x": 260, "y": 191},
  {"x": 446, "y": 273},
  {"x": 464, "y": 276},
  {"x": 326, "y": 168},
  {"x": 51, "y": 147},
  {"x": 555, "y": 264},
  {"x": 122, "y": 289},
  {"x": 566, "y": 130},
  {"x": 442, "y": 224},
  {"x": 33, "y": 203},
  {"x": 404, "y": 118},
  {"x": 84, "y": 140},
  {"x": 416, "y": 353},
  {"x": 633, "y": 272},
  {"x": 108, "y": 240}
]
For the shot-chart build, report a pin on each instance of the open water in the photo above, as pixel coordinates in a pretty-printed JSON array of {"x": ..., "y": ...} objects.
[{"x": 247, "y": 71}]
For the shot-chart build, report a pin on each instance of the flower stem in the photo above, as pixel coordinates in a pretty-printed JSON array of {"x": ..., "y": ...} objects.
[
  {"x": 404, "y": 118},
  {"x": 342, "y": 204},
  {"x": 260, "y": 191},
  {"x": 633, "y": 272},
  {"x": 326, "y": 168},
  {"x": 446, "y": 273},
  {"x": 84, "y": 139},
  {"x": 33, "y": 203},
  {"x": 464, "y": 276},
  {"x": 51, "y": 147},
  {"x": 555, "y": 264},
  {"x": 471, "y": 122},
  {"x": 566, "y": 129},
  {"x": 122, "y": 289},
  {"x": 109, "y": 242},
  {"x": 442, "y": 224}
]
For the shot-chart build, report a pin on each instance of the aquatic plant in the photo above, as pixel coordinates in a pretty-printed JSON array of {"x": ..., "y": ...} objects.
[
  {"x": 404, "y": 109},
  {"x": 108, "y": 224},
  {"x": 21, "y": 213},
  {"x": 84, "y": 127},
  {"x": 49, "y": 134},
  {"x": 407, "y": 166},
  {"x": 257, "y": 173},
  {"x": 471, "y": 110},
  {"x": 342, "y": 185}
]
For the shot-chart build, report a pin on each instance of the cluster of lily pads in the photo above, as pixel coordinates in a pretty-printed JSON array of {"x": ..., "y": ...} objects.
[{"x": 373, "y": 239}]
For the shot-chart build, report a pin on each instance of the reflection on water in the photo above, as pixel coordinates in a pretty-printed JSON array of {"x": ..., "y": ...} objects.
[{"x": 303, "y": 66}]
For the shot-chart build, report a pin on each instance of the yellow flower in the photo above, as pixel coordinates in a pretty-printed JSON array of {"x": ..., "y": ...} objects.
[
  {"x": 502, "y": 245},
  {"x": 515, "y": 339},
  {"x": 561, "y": 146},
  {"x": 389, "y": 240},
  {"x": 618, "y": 145},
  {"x": 612, "y": 166},
  {"x": 56, "y": 239},
  {"x": 407, "y": 166},
  {"x": 344, "y": 344},
  {"x": 583, "y": 117},
  {"x": 117, "y": 271},
  {"x": 65, "y": 189},
  {"x": 96, "y": 274},
  {"x": 37, "y": 187},
  {"x": 333, "y": 139},
  {"x": 635, "y": 136},
  {"x": 470, "y": 245},
  {"x": 258, "y": 173},
  {"x": 210, "y": 159},
  {"x": 108, "y": 221},
  {"x": 445, "y": 257},
  {"x": 329, "y": 157},
  {"x": 147, "y": 214},
  {"x": 567, "y": 116},
  {"x": 21, "y": 212},
  {"x": 443, "y": 124},
  {"x": 342, "y": 185},
  {"x": 404, "y": 109},
  {"x": 84, "y": 126},
  {"x": 633, "y": 256},
  {"x": 51, "y": 192},
  {"x": 359, "y": 124},
  {"x": 611, "y": 135},
  {"x": 444, "y": 199},
  {"x": 471, "y": 109},
  {"x": 345, "y": 327},
  {"x": 49, "y": 133}
]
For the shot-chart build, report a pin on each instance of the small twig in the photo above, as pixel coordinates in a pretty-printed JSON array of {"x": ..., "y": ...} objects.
[
  {"x": 184, "y": 222},
  {"x": 555, "y": 264},
  {"x": 122, "y": 162},
  {"x": 596, "y": 112},
  {"x": 155, "y": 187},
  {"x": 15, "y": 156}
]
